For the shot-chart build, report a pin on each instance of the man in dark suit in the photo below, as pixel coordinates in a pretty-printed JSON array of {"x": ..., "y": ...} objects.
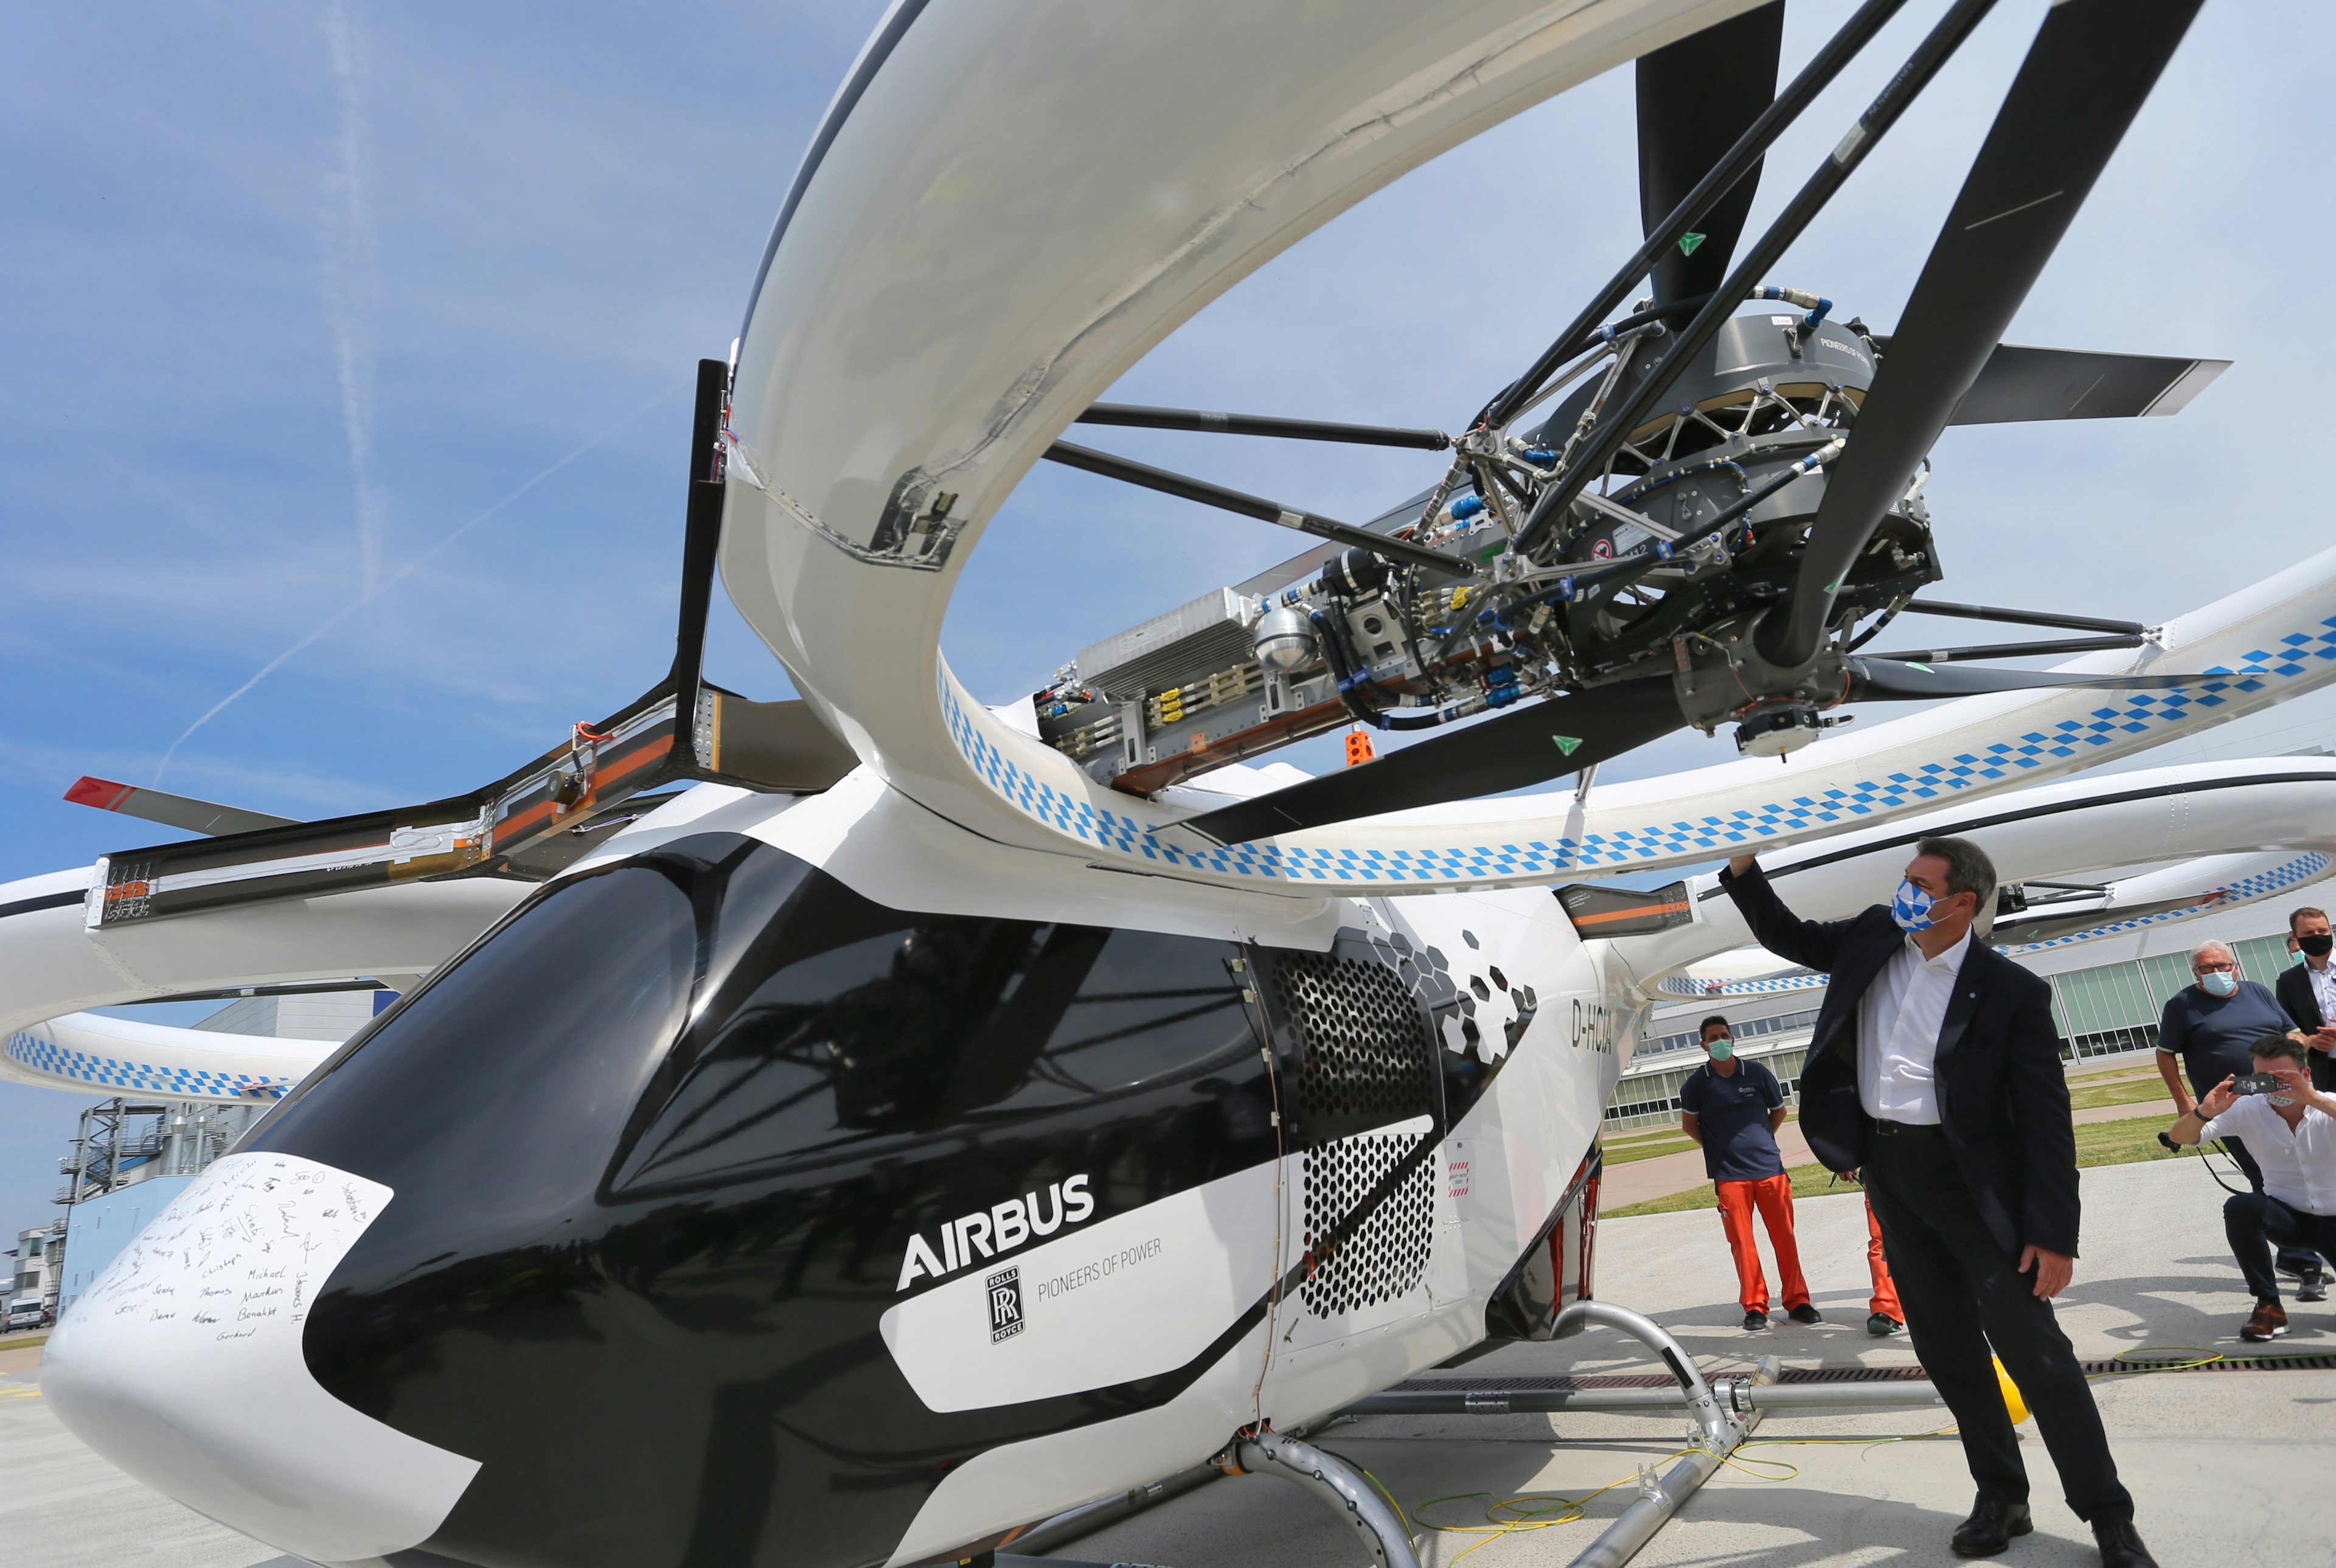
[
  {"x": 1935, "y": 1070},
  {"x": 2306, "y": 989}
]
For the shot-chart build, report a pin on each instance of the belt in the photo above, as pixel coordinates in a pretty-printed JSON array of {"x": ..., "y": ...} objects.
[{"x": 1876, "y": 1127}]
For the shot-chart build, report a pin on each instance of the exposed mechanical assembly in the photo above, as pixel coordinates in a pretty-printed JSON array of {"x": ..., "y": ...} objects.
[{"x": 1730, "y": 505}]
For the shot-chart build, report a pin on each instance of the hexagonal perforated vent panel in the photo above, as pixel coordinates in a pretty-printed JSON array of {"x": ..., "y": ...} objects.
[
  {"x": 1385, "y": 1256},
  {"x": 1364, "y": 1058}
]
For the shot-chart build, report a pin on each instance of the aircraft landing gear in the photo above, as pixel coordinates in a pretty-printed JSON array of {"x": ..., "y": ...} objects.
[{"x": 1346, "y": 1488}]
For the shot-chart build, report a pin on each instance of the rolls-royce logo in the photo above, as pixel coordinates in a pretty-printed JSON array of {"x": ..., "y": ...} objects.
[{"x": 1005, "y": 1295}]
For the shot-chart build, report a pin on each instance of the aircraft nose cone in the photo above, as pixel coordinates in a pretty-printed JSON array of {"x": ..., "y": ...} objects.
[{"x": 183, "y": 1365}]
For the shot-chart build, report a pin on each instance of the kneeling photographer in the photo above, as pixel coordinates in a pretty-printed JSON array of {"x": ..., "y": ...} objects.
[{"x": 2290, "y": 1127}]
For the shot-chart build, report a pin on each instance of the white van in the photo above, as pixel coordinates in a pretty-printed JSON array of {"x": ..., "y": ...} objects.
[{"x": 26, "y": 1312}]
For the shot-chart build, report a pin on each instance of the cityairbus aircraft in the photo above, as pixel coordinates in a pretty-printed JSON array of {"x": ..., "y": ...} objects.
[{"x": 909, "y": 1118}]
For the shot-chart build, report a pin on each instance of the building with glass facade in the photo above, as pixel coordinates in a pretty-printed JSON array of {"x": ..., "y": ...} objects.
[{"x": 2102, "y": 1005}]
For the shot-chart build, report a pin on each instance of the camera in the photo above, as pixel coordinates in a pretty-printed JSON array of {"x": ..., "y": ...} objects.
[{"x": 2256, "y": 1083}]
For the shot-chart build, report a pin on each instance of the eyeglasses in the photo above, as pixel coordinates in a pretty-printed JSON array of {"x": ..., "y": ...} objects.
[{"x": 2225, "y": 968}]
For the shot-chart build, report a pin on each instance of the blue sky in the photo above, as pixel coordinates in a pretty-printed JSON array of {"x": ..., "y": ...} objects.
[{"x": 302, "y": 303}]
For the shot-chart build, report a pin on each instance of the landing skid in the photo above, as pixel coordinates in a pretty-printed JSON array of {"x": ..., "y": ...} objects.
[{"x": 1723, "y": 1414}]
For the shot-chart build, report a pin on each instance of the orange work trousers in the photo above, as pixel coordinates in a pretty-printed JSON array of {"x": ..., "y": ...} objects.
[
  {"x": 1773, "y": 1196},
  {"x": 1885, "y": 1294}
]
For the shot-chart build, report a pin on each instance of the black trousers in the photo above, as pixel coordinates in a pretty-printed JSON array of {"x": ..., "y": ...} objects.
[
  {"x": 2254, "y": 1220},
  {"x": 1963, "y": 1296},
  {"x": 2299, "y": 1261}
]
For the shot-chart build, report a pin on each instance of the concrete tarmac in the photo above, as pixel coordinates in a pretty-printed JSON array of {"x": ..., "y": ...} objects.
[
  {"x": 62, "y": 1506},
  {"x": 2222, "y": 1463}
]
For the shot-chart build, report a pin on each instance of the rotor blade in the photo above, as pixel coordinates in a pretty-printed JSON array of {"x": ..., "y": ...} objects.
[
  {"x": 1892, "y": 680},
  {"x": 1741, "y": 159},
  {"x": 171, "y": 810},
  {"x": 1525, "y": 745},
  {"x": 1206, "y": 423},
  {"x": 2019, "y": 384},
  {"x": 1697, "y": 98},
  {"x": 1614, "y": 426},
  {"x": 2093, "y": 64}
]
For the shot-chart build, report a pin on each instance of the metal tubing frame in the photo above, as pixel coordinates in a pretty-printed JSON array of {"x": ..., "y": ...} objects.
[
  {"x": 2024, "y": 617},
  {"x": 2052, "y": 649},
  {"x": 1184, "y": 487},
  {"x": 1621, "y": 1540},
  {"x": 1338, "y": 1482},
  {"x": 1206, "y": 421},
  {"x": 1718, "y": 1429},
  {"x": 1726, "y": 1412},
  {"x": 1734, "y": 1394}
]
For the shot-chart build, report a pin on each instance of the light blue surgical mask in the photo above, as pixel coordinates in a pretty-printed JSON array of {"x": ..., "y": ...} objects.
[
  {"x": 1910, "y": 906},
  {"x": 2220, "y": 983},
  {"x": 1722, "y": 1049}
]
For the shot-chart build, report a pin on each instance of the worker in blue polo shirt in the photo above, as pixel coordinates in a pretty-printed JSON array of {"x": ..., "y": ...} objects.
[{"x": 1733, "y": 1109}]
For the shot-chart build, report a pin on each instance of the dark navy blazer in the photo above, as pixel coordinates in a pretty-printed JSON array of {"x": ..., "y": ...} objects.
[
  {"x": 2297, "y": 1000},
  {"x": 2003, "y": 1095}
]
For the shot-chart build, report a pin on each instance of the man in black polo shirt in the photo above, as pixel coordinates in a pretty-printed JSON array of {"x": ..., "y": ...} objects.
[{"x": 1733, "y": 1109}]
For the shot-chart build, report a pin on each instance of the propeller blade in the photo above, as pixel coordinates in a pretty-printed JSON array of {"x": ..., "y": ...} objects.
[
  {"x": 1560, "y": 735},
  {"x": 1525, "y": 745},
  {"x": 2019, "y": 384},
  {"x": 173, "y": 811},
  {"x": 2093, "y": 64},
  {"x": 1894, "y": 680},
  {"x": 1697, "y": 98}
]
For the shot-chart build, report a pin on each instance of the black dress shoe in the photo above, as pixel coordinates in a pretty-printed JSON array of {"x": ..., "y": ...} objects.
[
  {"x": 1756, "y": 1320},
  {"x": 1993, "y": 1521},
  {"x": 2121, "y": 1545}
]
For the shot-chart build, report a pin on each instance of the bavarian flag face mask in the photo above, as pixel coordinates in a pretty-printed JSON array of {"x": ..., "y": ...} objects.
[{"x": 1910, "y": 906}]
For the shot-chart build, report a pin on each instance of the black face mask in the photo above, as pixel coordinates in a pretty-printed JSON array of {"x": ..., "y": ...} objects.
[{"x": 2316, "y": 947}]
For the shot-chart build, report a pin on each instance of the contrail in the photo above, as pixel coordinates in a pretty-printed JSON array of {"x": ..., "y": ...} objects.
[
  {"x": 408, "y": 569},
  {"x": 349, "y": 280}
]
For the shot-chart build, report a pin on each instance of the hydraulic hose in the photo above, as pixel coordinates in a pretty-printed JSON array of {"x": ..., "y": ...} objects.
[{"x": 1342, "y": 666}]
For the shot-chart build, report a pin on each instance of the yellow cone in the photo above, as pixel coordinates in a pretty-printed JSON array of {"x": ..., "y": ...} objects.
[{"x": 2012, "y": 1399}]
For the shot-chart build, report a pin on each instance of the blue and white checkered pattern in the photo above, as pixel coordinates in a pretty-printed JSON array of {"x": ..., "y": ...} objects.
[
  {"x": 2124, "y": 716},
  {"x": 2304, "y": 867},
  {"x": 1688, "y": 986},
  {"x": 1910, "y": 906},
  {"x": 39, "y": 1054}
]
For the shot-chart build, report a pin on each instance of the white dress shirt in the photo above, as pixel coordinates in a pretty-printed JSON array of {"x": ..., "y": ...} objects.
[
  {"x": 1898, "y": 1023},
  {"x": 2324, "y": 989},
  {"x": 2299, "y": 1164}
]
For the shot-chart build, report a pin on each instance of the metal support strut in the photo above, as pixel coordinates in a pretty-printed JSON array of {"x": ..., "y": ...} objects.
[
  {"x": 1725, "y": 1413},
  {"x": 1339, "y": 1484},
  {"x": 1718, "y": 1428},
  {"x": 1718, "y": 1433}
]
